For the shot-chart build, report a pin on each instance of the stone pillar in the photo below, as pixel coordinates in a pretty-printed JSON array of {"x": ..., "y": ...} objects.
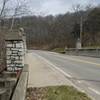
[
  {"x": 15, "y": 51},
  {"x": 14, "y": 55}
]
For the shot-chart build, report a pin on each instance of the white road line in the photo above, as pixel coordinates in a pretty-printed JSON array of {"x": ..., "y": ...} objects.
[
  {"x": 64, "y": 73},
  {"x": 97, "y": 92},
  {"x": 54, "y": 66}
]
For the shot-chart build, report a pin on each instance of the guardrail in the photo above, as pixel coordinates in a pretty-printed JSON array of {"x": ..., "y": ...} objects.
[
  {"x": 7, "y": 83},
  {"x": 84, "y": 52},
  {"x": 20, "y": 89}
]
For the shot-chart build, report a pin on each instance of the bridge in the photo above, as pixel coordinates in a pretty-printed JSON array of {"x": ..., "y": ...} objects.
[{"x": 79, "y": 68}]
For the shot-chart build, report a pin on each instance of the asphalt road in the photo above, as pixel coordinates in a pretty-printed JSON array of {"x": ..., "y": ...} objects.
[{"x": 83, "y": 72}]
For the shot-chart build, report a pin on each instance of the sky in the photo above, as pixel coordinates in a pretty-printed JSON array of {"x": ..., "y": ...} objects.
[
  {"x": 54, "y": 7},
  {"x": 50, "y": 7}
]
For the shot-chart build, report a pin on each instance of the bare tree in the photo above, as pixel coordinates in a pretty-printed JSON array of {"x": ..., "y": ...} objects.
[
  {"x": 77, "y": 7},
  {"x": 19, "y": 10},
  {"x": 3, "y": 7},
  {"x": 3, "y": 4}
]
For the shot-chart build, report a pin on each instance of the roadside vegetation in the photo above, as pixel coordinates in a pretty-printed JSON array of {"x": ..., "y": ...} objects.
[
  {"x": 59, "y": 50},
  {"x": 55, "y": 93},
  {"x": 60, "y": 31}
]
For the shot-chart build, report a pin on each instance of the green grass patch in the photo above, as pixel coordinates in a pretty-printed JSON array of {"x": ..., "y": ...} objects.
[
  {"x": 59, "y": 50},
  {"x": 55, "y": 93}
]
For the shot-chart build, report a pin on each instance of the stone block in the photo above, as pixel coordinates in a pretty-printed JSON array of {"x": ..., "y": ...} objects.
[
  {"x": 16, "y": 57},
  {"x": 3, "y": 94},
  {"x": 15, "y": 52},
  {"x": 6, "y": 82},
  {"x": 8, "y": 61},
  {"x": 21, "y": 50},
  {"x": 9, "y": 74},
  {"x": 9, "y": 45},
  {"x": 9, "y": 52},
  {"x": 19, "y": 45},
  {"x": 12, "y": 65},
  {"x": 20, "y": 53},
  {"x": 18, "y": 61},
  {"x": 15, "y": 41},
  {"x": 18, "y": 68},
  {"x": 10, "y": 82},
  {"x": 19, "y": 65},
  {"x": 12, "y": 57},
  {"x": 9, "y": 68},
  {"x": 14, "y": 49}
]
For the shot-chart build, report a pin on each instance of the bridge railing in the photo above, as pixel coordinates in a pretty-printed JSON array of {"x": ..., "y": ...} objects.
[
  {"x": 91, "y": 52},
  {"x": 19, "y": 92}
]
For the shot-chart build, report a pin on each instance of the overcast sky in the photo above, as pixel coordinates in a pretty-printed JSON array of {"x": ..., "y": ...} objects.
[{"x": 56, "y": 6}]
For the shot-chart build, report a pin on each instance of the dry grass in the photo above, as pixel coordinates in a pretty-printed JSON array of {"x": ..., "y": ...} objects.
[{"x": 55, "y": 93}]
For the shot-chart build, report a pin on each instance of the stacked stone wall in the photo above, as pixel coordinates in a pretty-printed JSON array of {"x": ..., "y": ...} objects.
[{"x": 15, "y": 55}]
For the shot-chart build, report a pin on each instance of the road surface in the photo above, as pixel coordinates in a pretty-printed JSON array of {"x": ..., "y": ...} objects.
[{"x": 83, "y": 72}]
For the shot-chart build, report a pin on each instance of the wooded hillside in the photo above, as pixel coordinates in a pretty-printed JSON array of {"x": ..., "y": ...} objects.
[{"x": 51, "y": 32}]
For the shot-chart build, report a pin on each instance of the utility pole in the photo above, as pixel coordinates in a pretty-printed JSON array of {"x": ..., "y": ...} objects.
[
  {"x": 81, "y": 29},
  {"x": 79, "y": 40}
]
